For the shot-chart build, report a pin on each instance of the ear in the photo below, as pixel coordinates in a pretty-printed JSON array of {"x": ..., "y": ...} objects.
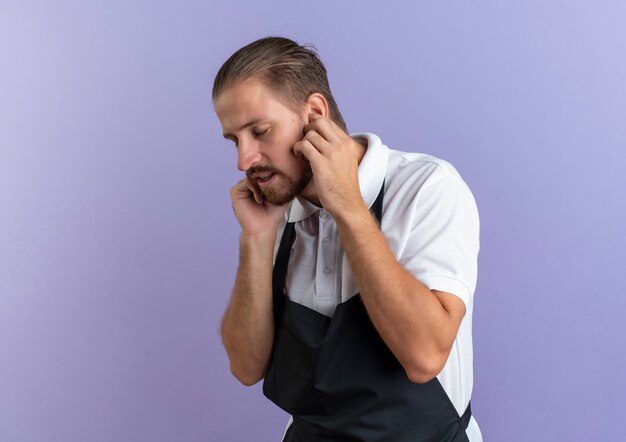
[{"x": 316, "y": 104}]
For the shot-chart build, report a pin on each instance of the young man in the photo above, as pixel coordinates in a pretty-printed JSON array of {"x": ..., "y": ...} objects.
[{"x": 354, "y": 293}]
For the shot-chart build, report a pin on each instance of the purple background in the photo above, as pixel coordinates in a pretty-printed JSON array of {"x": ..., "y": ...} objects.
[{"x": 118, "y": 246}]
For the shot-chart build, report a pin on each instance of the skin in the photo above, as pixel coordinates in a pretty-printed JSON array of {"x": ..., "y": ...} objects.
[{"x": 417, "y": 324}]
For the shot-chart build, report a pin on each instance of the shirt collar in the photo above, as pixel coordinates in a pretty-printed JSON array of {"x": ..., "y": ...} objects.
[{"x": 372, "y": 169}]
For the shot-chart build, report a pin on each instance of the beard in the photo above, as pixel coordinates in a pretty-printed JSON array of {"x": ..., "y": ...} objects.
[{"x": 286, "y": 187}]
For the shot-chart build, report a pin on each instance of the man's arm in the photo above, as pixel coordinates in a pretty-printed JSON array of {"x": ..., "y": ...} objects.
[
  {"x": 418, "y": 325},
  {"x": 248, "y": 324}
]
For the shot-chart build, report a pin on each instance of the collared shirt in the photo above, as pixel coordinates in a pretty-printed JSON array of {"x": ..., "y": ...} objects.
[{"x": 431, "y": 224}]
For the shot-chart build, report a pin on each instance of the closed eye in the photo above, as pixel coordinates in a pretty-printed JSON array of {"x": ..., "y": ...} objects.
[{"x": 256, "y": 135}]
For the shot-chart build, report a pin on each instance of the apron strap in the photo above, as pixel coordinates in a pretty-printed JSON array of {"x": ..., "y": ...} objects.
[
  {"x": 282, "y": 258},
  {"x": 465, "y": 419}
]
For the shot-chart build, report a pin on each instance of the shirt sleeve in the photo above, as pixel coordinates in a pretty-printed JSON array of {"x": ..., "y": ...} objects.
[{"x": 443, "y": 244}]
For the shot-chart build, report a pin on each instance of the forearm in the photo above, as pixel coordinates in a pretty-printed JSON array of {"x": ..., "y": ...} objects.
[
  {"x": 248, "y": 325},
  {"x": 409, "y": 317}
]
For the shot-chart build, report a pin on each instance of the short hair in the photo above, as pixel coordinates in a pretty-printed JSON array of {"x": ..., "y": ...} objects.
[{"x": 291, "y": 71}]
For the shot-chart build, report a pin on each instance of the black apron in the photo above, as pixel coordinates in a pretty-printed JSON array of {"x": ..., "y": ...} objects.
[{"x": 339, "y": 380}]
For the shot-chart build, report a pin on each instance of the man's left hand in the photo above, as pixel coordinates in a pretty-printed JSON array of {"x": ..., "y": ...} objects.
[{"x": 334, "y": 158}]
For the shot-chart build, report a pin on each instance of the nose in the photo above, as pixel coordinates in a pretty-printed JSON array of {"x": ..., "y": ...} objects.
[{"x": 248, "y": 154}]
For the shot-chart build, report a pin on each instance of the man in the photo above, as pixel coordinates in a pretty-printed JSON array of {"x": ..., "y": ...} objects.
[{"x": 354, "y": 293}]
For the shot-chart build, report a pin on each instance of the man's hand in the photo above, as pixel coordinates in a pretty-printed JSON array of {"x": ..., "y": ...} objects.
[
  {"x": 255, "y": 214},
  {"x": 248, "y": 324},
  {"x": 334, "y": 158}
]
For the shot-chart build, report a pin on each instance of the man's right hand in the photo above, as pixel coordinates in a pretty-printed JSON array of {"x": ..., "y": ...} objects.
[{"x": 255, "y": 214}]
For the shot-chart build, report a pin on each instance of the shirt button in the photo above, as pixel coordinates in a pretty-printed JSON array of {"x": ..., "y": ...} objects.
[
  {"x": 327, "y": 270},
  {"x": 326, "y": 240},
  {"x": 323, "y": 214}
]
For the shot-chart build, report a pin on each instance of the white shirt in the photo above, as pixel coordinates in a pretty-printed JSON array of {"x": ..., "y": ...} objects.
[{"x": 431, "y": 224}]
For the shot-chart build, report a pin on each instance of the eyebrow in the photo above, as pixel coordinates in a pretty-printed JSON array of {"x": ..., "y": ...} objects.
[{"x": 249, "y": 123}]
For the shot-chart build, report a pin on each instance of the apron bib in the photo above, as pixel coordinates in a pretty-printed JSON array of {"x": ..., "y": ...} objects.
[{"x": 339, "y": 380}]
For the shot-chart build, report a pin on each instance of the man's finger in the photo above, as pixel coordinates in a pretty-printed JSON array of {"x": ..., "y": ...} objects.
[
  {"x": 306, "y": 148},
  {"x": 256, "y": 192},
  {"x": 318, "y": 141},
  {"x": 323, "y": 126},
  {"x": 245, "y": 189}
]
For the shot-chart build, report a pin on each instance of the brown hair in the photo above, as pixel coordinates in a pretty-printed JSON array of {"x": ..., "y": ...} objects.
[{"x": 291, "y": 71}]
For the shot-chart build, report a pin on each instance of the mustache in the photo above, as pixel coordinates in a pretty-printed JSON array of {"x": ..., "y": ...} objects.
[{"x": 262, "y": 169}]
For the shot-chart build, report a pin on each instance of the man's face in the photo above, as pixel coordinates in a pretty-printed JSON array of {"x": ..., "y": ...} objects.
[{"x": 265, "y": 144}]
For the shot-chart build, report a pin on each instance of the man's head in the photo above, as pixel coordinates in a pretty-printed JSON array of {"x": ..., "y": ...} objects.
[
  {"x": 274, "y": 84},
  {"x": 292, "y": 72}
]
